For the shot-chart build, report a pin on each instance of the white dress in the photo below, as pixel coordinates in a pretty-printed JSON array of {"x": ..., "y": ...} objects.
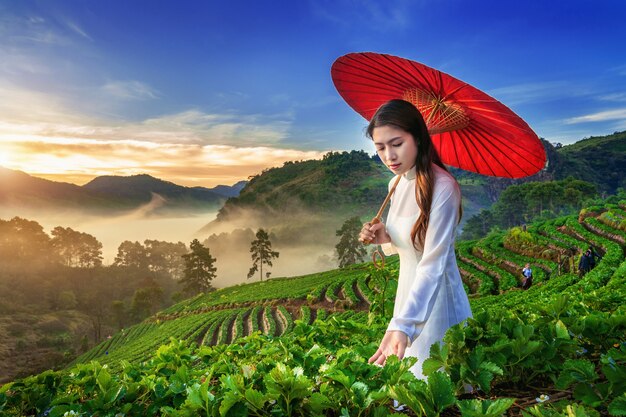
[{"x": 430, "y": 296}]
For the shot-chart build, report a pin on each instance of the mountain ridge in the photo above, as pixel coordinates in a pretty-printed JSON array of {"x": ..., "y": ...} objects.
[{"x": 108, "y": 192}]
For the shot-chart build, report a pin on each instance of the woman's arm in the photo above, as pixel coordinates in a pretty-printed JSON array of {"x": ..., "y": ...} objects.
[{"x": 444, "y": 216}]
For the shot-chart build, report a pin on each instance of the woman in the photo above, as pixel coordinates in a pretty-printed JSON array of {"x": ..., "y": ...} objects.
[{"x": 425, "y": 210}]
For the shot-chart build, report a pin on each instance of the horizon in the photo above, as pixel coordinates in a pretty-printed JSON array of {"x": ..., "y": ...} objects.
[{"x": 207, "y": 94}]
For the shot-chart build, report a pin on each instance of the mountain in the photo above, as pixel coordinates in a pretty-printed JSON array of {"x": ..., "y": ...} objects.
[
  {"x": 230, "y": 191},
  {"x": 108, "y": 193},
  {"x": 20, "y": 189}
]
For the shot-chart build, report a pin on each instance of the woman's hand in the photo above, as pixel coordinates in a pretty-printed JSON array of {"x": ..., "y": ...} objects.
[
  {"x": 374, "y": 234},
  {"x": 394, "y": 343}
]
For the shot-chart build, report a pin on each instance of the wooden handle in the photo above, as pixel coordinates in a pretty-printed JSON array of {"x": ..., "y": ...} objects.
[{"x": 376, "y": 219}]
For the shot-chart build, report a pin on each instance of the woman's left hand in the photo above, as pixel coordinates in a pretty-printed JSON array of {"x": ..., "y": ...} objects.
[{"x": 394, "y": 343}]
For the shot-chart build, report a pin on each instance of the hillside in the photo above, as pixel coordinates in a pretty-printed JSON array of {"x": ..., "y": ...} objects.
[
  {"x": 340, "y": 184},
  {"x": 346, "y": 184},
  {"x": 600, "y": 160},
  {"x": 108, "y": 193},
  {"x": 302, "y": 343}
]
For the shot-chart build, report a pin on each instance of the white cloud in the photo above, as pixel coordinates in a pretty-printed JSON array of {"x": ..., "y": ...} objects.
[
  {"x": 616, "y": 97},
  {"x": 130, "y": 90},
  {"x": 77, "y": 29},
  {"x": 534, "y": 92},
  {"x": 380, "y": 16},
  {"x": 41, "y": 134},
  {"x": 603, "y": 116}
]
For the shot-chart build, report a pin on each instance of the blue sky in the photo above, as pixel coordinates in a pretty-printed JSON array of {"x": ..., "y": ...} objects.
[{"x": 206, "y": 92}]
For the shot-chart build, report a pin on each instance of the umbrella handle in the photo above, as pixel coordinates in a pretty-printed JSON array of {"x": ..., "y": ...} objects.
[{"x": 376, "y": 219}]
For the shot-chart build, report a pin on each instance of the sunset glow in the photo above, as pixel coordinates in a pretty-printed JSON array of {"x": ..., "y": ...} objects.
[{"x": 238, "y": 89}]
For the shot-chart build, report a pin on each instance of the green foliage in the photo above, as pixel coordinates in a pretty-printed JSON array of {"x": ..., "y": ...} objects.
[
  {"x": 520, "y": 204},
  {"x": 566, "y": 335}
]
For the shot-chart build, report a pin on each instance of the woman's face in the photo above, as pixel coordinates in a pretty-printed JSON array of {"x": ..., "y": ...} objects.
[{"x": 395, "y": 147}]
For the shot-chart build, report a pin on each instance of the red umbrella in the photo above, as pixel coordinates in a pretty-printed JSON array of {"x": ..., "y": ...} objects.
[{"x": 470, "y": 129}]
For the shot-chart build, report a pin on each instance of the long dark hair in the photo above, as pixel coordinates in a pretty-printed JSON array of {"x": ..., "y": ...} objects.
[{"x": 404, "y": 115}]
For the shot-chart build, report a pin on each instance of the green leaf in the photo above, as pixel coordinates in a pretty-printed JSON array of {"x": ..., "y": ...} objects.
[
  {"x": 618, "y": 406},
  {"x": 441, "y": 390},
  {"x": 104, "y": 380},
  {"x": 484, "y": 408},
  {"x": 484, "y": 379},
  {"x": 498, "y": 407},
  {"x": 415, "y": 398},
  {"x": 255, "y": 398},
  {"x": 319, "y": 403},
  {"x": 114, "y": 393},
  {"x": 579, "y": 410},
  {"x": 359, "y": 394},
  {"x": 576, "y": 370},
  {"x": 159, "y": 390},
  {"x": 586, "y": 394},
  {"x": 229, "y": 400},
  {"x": 491, "y": 367},
  {"x": 177, "y": 387},
  {"x": 561, "y": 330},
  {"x": 616, "y": 374},
  {"x": 194, "y": 398},
  {"x": 338, "y": 376},
  {"x": 437, "y": 360}
]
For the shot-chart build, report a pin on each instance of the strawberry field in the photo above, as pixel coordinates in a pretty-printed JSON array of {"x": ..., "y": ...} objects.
[{"x": 299, "y": 346}]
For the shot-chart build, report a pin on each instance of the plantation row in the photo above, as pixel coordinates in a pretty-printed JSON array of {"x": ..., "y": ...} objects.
[
  {"x": 331, "y": 286},
  {"x": 206, "y": 329}
]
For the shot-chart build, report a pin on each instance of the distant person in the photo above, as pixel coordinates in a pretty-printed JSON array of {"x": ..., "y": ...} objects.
[
  {"x": 527, "y": 277},
  {"x": 592, "y": 257},
  {"x": 584, "y": 265},
  {"x": 424, "y": 213}
]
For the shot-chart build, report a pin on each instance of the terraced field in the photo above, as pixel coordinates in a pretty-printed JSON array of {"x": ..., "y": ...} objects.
[
  {"x": 270, "y": 307},
  {"x": 557, "y": 349},
  {"x": 490, "y": 269}
]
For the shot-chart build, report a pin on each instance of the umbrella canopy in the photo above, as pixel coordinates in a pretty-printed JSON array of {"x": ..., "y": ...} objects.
[{"x": 470, "y": 129}]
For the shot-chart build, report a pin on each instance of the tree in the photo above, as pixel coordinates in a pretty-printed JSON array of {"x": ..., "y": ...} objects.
[
  {"x": 24, "y": 242},
  {"x": 146, "y": 300},
  {"x": 76, "y": 249},
  {"x": 262, "y": 253},
  {"x": 199, "y": 270},
  {"x": 119, "y": 313},
  {"x": 349, "y": 249},
  {"x": 165, "y": 257},
  {"x": 131, "y": 254}
]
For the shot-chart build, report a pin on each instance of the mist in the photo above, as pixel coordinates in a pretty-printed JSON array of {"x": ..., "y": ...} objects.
[
  {"x": 137, "y": 225},
  {"x": 305, "y": 241}
]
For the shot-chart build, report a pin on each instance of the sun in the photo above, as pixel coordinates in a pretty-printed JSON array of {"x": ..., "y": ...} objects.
[{"x": 5, "y": 158}]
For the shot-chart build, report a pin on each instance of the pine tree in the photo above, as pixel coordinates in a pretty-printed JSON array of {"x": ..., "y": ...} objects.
[
  {"x": 262, "y": 253},
  {"x": 349, "y": 249},
  {"x": 199, "y": 269}
]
